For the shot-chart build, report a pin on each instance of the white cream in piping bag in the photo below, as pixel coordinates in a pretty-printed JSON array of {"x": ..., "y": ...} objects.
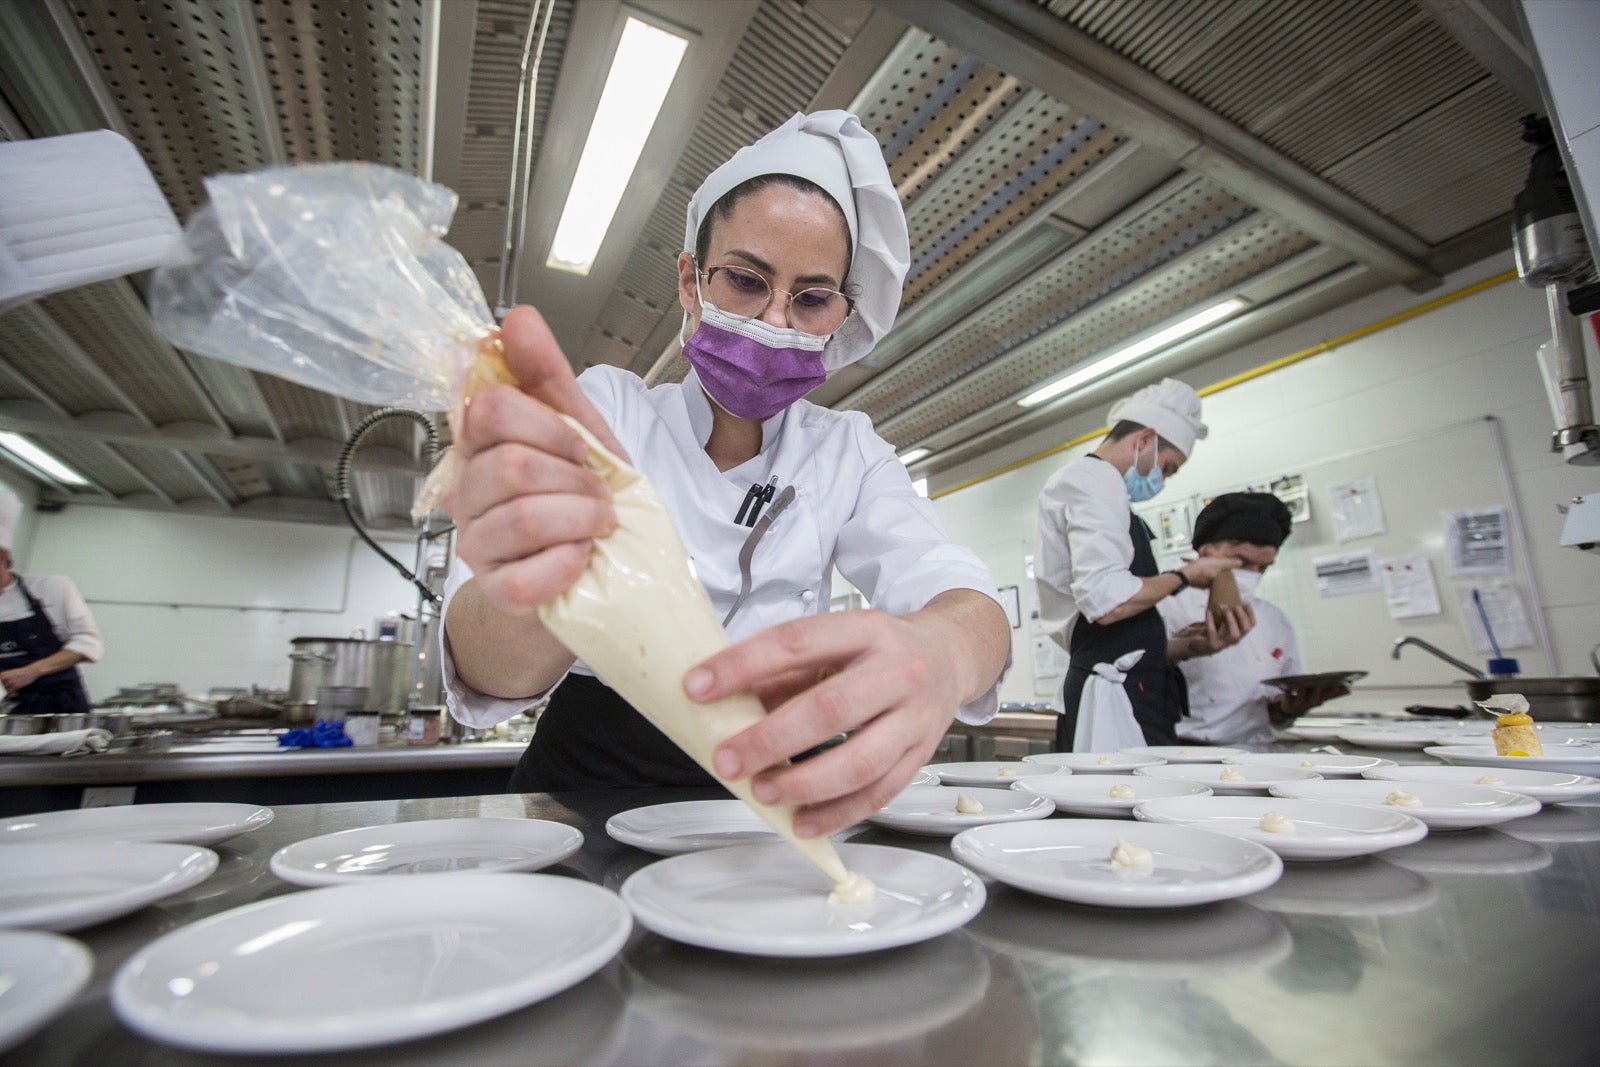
[{"x": 640, "y": 619}]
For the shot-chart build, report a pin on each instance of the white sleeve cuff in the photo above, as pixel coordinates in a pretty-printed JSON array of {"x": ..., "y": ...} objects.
[{"x": 472, "y": 708}]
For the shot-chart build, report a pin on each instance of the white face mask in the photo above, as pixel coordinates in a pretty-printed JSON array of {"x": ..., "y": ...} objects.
[{"x": 1247, "y": 582}]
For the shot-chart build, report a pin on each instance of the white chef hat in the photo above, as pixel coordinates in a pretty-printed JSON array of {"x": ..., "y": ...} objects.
[
  {"x": 1169, "y": 407},
  {"x": 10, "y": 512},
  {"x": 833, "y": 149}
]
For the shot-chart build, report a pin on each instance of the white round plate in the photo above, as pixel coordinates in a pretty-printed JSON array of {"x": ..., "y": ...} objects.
[
  {"x": 1070, "y": 859},
  {"x": 1571, "y": 759},
  {"x": 1090, "y": 794},
  {"x": 693, "y": 826},
  {"x": 1329, "y": 730},
  {"x": 1094, "y": 762},
  {"x": 431, "y": 846},
  {"x": 1324, "y": 763},
  {"x": 1547, "y": 787},
  {"x": 368, "y": 964},
  {"x": 39, "y": 975},
  {"x": 768, "y": 900},
  {"x": 998, "y": 773},
  {"x": 180, "y": 824},
  {"x": 931, "y": 809},
  {"x": 1253, "y": 780},
  {"x": 1323, "y": 831},
  {"x": 1185, "y": 753},
  {"x": 63, "y": 885},
  {"x": 1444, "y": 806},
  {"x": 1389, "y": 737}
]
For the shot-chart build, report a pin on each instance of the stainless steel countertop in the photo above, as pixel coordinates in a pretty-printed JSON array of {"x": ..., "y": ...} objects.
[
  {"x": 1477, "y": 947},
  {"x": 122, "y": 768}
]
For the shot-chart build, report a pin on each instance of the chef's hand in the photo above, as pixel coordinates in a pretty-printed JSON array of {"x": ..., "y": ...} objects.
[
  {"x": 525, "y": 507},
  {"x": 895, "y": 681},
  {"x": 1216, "y": 632},
  {"x": 1293, "y": 703},
  {"x": 1202, "y": 569},
  {"x": 19, "y": 677}
]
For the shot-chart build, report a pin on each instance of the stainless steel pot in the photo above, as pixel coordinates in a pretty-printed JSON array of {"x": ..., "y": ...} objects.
[
  {"x": 24, "y": 724},
  {"x": 382, "y": 667},
  {"x": 115, "y": 723},
  {"x": 1575, "y": 699}
]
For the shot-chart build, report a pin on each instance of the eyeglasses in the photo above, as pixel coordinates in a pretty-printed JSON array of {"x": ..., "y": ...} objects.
[{"x": 744, "y": 292}]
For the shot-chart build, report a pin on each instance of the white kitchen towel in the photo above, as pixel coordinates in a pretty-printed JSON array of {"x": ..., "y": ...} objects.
[
  {"x": 1105, "y": 716},
  {"x": 65, "y": 743}
]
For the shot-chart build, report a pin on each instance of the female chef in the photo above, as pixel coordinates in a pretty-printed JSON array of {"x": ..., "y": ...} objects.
[{"x": 796, "y": 249}]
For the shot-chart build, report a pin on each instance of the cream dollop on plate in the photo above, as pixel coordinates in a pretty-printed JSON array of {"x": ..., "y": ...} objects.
[
  {"x": 1489, "y": 779},
  {"x": 1122, "y": 791},
  {"x": 1128, "y": 854},
  {"x": 854, "y": 889},
  {"x": 1401, "y": 799},
  {"x": 1276, "y": 822},
  {"x": 1230, "y": 774},
  {"x": 966, "y": 805}
]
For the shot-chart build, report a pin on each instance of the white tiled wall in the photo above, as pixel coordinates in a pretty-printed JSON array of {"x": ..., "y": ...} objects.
[{"x": 1471, "y": 358}]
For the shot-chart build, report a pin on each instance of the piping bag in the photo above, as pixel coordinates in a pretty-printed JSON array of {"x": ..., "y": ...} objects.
[{"x": 336, "y": 276}]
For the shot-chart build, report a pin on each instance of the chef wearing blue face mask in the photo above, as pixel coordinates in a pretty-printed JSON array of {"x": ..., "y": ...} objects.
[
  {"x": 1096, "y": 572},
  {"x": 794, "y": 255}
]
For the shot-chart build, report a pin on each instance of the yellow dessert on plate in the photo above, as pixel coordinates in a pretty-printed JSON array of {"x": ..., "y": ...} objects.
[{"x": 1514, "y": 734}]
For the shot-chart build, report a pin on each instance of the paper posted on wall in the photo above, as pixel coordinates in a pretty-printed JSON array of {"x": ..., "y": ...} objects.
[
  {"x": 1357, "y": 509},
  {"x": 1502, "y": 602},
  {"x": 1480, "y": 541},
  {"x": 1347, "y": 573},
  {"x": 1408, "y": 587}
]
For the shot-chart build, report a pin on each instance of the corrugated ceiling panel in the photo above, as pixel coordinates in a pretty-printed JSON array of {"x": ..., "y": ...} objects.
[
  {"x": 113, "y": 329},
  {"x": 93, "y": 460},
  {"x": 1194, "y": 210},
  {"x": 786, "y": 54},
  {"x": 166, "y": 470},
  {"x": 236, "y": 394},
  {"x": 302, "y": 412},
  {"x": 1451, "y": 168},
  {"x": 30, "y": 342},
  {"x": 173, "y": 69},
  {"x": 383, "y": 497},
  {"x": 295, "y": 480},
  {"x": 1234, "y": 256},
  {"x": 346, "y": 78},
  {"x": 502, "y": 26}
]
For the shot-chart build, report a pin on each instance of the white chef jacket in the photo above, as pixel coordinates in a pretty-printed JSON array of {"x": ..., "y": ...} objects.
[
  {"x": 1227, "y": 697},
  {"x": 1084, "y": 550},
  {"x": 854, "y": 508},
  {"x": 63, "y": 605}
]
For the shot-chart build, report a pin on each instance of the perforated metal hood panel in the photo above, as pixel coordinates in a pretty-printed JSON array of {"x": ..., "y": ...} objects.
[{"x": 1042, "y": 233}]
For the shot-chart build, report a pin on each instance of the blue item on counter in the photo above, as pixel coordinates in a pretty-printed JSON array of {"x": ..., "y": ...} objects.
[{"x": 323, "y": 734}]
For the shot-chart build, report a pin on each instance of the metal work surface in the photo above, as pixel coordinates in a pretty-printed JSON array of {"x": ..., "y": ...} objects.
[{"x": 1475, "y": 947}]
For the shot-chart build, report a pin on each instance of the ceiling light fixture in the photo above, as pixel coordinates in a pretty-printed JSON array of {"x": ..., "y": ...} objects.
[
  {"x": 31, "y": 455},
  {"x": 911, "y": 455},
  {"x": 1124, "y": 356},
  {"x": 642, "y": 70}
]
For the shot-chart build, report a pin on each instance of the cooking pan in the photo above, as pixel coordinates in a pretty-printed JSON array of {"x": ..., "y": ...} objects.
[{"x": 1575, "y": 699}]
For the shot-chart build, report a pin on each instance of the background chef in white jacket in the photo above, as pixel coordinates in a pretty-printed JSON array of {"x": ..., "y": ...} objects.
[
  {"x": 1096, "y": 573},
  {"x": 1229, "y": 702},
  {"x": 46, "y": 630},
  {"x": 795, "y": 253}
]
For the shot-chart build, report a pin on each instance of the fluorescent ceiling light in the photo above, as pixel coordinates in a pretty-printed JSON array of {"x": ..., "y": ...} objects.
[
  {"x": 641, "y": 72},
  {"x": 1124, "y": 356},
  {"x": 40, "y": 460},
  {"x": 911, "y": 455}
]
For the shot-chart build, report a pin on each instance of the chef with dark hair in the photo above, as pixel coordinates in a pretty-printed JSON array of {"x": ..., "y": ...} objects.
[{"x": 1229, "y": 700}]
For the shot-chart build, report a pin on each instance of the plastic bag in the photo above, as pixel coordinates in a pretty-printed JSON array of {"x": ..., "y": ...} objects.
[
  {"x": 335, "y": 276},
  {"x": 1105, "y": 716}
]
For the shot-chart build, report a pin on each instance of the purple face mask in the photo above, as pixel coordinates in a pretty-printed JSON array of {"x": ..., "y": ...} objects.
[{"x": 750, "y": 368}]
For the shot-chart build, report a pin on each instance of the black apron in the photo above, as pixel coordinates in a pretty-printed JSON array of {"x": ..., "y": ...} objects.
[
  {"x": 1155, "y": 688},
  {"x": 28, "y": 640},
  {"x": 590, "y": 738}
]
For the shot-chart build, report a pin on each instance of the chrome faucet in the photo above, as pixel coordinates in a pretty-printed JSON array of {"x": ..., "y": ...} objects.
[{"x": 1402, "y": 642}]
